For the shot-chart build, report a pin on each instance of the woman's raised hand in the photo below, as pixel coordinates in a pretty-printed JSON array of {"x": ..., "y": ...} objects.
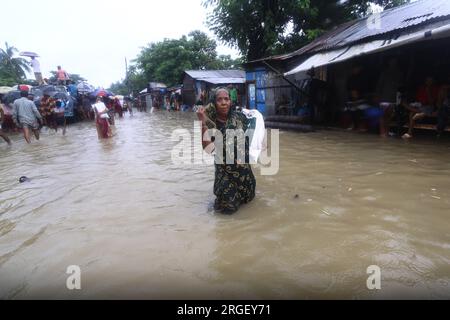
[{"x": 201, "y": 114}]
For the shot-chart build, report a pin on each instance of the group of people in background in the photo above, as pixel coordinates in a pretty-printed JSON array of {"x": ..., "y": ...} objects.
[
  {"x": 395, "y": 104},
  {"x": 173, "y": 101},
  {"x": 29, "y": 117}
]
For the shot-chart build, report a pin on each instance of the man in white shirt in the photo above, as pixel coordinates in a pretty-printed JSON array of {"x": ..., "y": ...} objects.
[{"x": 37, "y": 70}]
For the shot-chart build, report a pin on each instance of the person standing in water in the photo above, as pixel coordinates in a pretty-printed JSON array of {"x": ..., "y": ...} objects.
[
  {"x": 27, "y": 116},
  {"x": 101, "y": 119},
  {"x": 234, "y": 183},
  {"x": 2, "y": 134}
]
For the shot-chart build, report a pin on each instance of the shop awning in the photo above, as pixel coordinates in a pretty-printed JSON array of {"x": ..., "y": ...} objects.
[
  {"x": 224, "y": 80},
  {"x": 343, "y": 54}
]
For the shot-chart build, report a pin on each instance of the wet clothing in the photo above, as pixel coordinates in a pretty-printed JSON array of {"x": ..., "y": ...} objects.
[
  {"x": 26, "y": 113},
  {"x": 101, "y": 120},
  {"x": 103, "y": 126},
  {"x": 8, "y": 123},
  {"x": 47, "y": 106},
  {"x": 118, "y": 108},
  {"x": 234, "y": 184}
]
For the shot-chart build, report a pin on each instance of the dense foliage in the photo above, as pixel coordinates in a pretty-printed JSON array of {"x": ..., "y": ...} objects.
[
  {"x": 12, "y": 69},
  {"x": 165, "y": 61},
  {"x": 262, "y": 28}
]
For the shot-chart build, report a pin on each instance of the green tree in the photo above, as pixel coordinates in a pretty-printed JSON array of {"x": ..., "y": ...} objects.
[
  {"x": 262, "y": 28},
  {"x": 6, "y": 79},
  {"x": 225, "y": 62},
  {"x": 134, "y": 83},
  {"x": 165, "y": 61},
  {"x": 202, "y": 50},
  {"x": 119, "y": 88},
  {"x": 12, "y": 69}
]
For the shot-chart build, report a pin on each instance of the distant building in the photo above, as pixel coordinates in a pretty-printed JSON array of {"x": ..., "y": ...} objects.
[
  {"x": 195, "y": 81},
  {"x": 418, "y": 34}
]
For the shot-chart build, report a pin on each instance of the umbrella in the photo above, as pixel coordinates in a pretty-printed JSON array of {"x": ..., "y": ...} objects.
[
  {"x": 60, "y": 95},
  {"x": 28, "y": 54},
  {"x": 4, "y": 90},
  {"x": 101, "y": 93},
  {"x": 12, "y": 96},
  {"x": 84, "y": 87},
  {"x": 38, "y": 93},
  {"x": 22, "y": 87},
  {"x": 49, "y": 90}
]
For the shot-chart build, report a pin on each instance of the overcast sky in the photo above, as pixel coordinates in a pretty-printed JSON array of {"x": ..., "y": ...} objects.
[{"x": 93, "y": 37}]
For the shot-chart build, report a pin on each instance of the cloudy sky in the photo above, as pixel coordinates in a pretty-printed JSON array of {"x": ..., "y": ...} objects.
[{"x": 93, "y": 37}]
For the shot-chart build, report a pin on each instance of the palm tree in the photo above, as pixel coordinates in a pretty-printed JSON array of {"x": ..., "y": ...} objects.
[{"x": 14, "y": 67}]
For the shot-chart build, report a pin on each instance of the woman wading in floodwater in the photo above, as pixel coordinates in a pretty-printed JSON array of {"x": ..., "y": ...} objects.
[
  {"x": 101, "y": 119},
  {"x": 234, "y": 183}
]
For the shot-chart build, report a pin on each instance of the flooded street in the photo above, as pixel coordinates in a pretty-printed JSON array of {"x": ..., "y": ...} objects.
[{"x": 139, "y": 226}]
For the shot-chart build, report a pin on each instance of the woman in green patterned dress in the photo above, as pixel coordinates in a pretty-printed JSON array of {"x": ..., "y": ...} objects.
[{"x": 234, "y": 182}]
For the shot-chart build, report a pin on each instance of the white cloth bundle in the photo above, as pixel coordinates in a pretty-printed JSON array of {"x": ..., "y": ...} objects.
[
  {"x": 100, "y": 106},
  {"x": 258, "y": 142}
]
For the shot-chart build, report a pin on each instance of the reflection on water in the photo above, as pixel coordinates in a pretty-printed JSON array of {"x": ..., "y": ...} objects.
[{"x": 141, "y": 227}]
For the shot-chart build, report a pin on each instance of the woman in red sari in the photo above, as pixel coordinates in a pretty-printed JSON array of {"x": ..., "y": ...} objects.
[{"x": 101, "y": 119}]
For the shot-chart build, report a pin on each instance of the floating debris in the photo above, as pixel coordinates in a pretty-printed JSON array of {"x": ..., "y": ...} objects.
[
  {"x": 327, "y": 213},
  {"x": 296, "y": 196},
  {"x": 23, "y": 179},
  {"x": 350, "y": 189},
  {"x": 435, "y": 197}
]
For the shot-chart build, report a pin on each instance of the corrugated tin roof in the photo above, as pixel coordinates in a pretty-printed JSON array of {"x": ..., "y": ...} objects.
[
  {"x": 224, "y": 80},
  {"x": 402, "y": 18},
  {"x": 155, "y": 85},
  {"x": 215, "y": 74},
  {"x": 354, "y": 50},
  {"x": 396, "y": 19}
]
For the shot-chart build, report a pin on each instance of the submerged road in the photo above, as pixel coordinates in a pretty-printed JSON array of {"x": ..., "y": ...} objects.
[{"x": 140, "y": 226}]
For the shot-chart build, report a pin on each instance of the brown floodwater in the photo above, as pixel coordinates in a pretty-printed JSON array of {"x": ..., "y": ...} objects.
[{"x": 140, "y": 226}]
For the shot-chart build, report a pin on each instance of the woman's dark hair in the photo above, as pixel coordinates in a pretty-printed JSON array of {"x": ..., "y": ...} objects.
[{"x": 24, "y": 93}]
